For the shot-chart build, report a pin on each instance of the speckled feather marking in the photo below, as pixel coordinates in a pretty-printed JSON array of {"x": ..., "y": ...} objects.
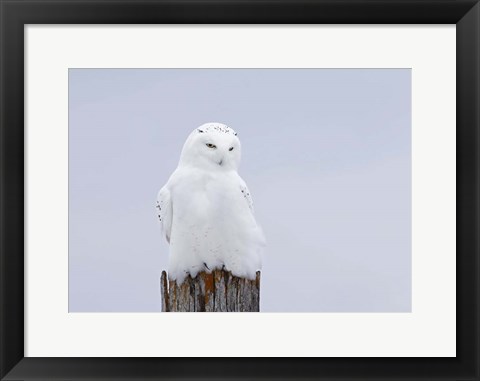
[
  {"x": 159, "y": 208},
  {"x": 163, "y": 209},
  {"x": 216, "y": 127},
  {"x": 247, "y": 196}
]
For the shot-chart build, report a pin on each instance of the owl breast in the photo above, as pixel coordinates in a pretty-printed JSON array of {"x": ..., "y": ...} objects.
[{"x": 212, "y": 225}]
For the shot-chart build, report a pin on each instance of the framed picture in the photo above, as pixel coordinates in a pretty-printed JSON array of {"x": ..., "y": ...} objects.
[{"x": 122, "y": 195}]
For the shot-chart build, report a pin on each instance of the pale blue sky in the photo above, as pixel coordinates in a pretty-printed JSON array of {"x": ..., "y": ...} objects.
[{"x": 326, "y": 154}]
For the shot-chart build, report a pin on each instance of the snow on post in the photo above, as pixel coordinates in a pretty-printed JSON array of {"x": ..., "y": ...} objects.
[{"x": 219, "y": 291}]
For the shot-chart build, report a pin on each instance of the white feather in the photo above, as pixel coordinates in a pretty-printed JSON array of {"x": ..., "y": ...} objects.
[{"x": 206, "y": 209}]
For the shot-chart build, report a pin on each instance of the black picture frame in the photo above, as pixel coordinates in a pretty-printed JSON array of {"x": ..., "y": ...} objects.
[{"x": 16, "y": 13}]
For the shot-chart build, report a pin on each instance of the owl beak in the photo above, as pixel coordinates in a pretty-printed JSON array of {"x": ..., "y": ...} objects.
[{"x": 220, "y": 162}]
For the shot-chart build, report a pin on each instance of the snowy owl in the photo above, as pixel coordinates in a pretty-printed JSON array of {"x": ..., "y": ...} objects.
[{"x": 206, "y": 209}]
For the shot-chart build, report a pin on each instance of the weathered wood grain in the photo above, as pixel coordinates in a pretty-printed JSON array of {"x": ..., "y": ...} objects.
[
  {"x": 220, "y": 294},
  {"x": 219, "y": 291},
  {"x": 209, "y": 291},
  {"x": 172, "y": 295},
  {"x": 164, "y": 291}
]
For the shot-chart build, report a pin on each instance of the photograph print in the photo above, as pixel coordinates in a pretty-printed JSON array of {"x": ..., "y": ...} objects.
[{"x": 240, "y": 190}]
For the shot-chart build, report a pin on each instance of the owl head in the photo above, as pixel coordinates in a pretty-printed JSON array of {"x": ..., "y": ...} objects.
[{"x": 212, "y": 145}]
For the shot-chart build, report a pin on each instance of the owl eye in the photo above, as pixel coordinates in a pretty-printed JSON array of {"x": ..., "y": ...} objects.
[
  {"x": 210, "y": 145},
  {"x": 230, "y": 149}
]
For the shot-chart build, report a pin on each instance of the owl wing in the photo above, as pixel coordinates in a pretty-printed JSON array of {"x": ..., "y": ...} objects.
[
  {"x": 246, "y": 194},
  {"x": 164, "y": 211}
]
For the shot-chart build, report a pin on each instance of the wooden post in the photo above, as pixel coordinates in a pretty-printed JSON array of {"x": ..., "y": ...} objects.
[{"x": 219, "y": 291}]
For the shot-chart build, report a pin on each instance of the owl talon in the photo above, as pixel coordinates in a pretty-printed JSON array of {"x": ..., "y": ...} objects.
[{"x": 208, "y": 268}]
